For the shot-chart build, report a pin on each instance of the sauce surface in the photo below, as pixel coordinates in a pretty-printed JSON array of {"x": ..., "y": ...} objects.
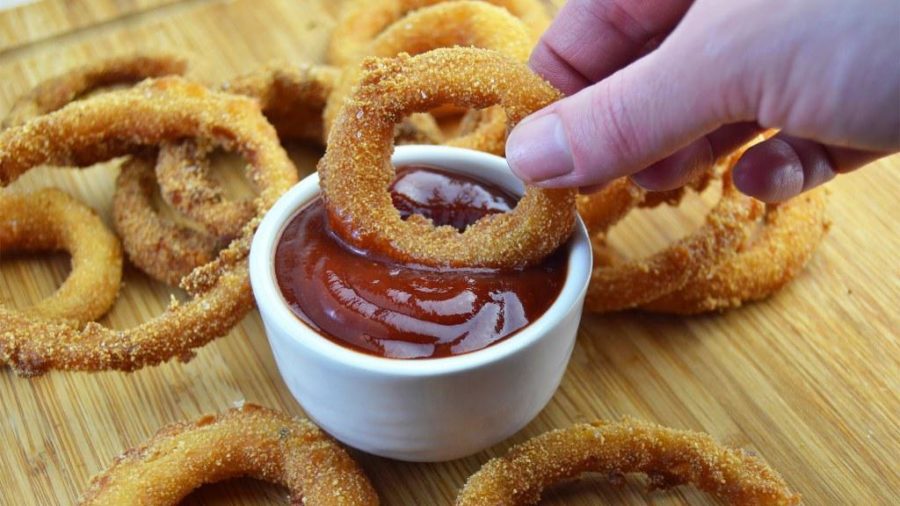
[{"x": 392, "y": 310}]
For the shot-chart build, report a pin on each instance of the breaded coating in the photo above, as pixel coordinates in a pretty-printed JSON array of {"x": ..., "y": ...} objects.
[
  {"x": 669, "y": 457},
  {"x": 355, "y": 172},
  {"x": 250, "y": 441}
]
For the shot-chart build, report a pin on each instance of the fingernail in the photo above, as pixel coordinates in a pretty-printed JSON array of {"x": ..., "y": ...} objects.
[{"x": 537, "y": 149}]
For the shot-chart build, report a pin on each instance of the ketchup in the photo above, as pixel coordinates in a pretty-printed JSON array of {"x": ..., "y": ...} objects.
[{"x": 392, "y": 310}]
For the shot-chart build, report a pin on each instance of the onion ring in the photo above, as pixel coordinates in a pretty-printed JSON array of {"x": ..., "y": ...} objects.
[
  {"x": 163, "y": 249},
  {"x": 790, "y": 235},
  {"x": 58, "y": 91},
  {"x": 248, "y": 441},
  {"x": 292, "y": 98},
  {"x": 628, "y": 284},
  {"x": 669, "y": 457},
  {"x": 49, "y": 220},
  {"x": 460, "y": 23},
  {"x": 118, "y": 123},
  {"x": 361, "y": 21},
  {"x": 356, "y": 171}
]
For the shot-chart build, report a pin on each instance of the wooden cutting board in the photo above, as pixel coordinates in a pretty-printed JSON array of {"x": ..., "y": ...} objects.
[{"x": 808, "y": 379}]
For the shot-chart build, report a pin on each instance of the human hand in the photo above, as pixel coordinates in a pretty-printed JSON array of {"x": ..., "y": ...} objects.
[{"x": 825, "y": 72}]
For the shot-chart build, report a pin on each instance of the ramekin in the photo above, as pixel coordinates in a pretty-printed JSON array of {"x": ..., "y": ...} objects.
[{"x": 421, "y": 410}]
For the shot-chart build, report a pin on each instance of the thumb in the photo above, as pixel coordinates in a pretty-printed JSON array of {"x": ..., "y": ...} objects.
[{"x": 637, "y": 116}]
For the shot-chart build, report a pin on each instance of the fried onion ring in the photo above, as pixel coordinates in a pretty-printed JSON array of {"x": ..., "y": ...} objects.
[
  {"x": 790, "y": 235},
  {"x": 118, "y": 123},
  {"x": 292, "y": 98},
  {"x": 50, "y": 220},
  {"x": 628, "y": 284},
  {"x": 460, "y": 23},
  {"x": 58, "y": 91},
  {"x": 356, "y": 171},
  {"x": 361, "y": 21},
  {"x": 249, "y": 441},
  {"x": 163, "y": 249},
  {"x": 669, "y": 457}
]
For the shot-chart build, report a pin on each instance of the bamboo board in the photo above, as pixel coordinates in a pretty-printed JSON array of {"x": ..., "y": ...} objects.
[{"x": 808, "y": 379}]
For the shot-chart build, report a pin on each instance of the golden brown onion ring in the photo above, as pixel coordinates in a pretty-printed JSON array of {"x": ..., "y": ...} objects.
[
  {"x": 249, "y": 441},
  {"x": 790, "y": 235},
  {"x": 118, "y": 123},
  {"x": 356, "y": 171},
  {"x": 669, "y": 457},
  {"x": 58, "y": 91},
  {"x": 361, "y": 21},
  {"x": 50, "y": 220}
]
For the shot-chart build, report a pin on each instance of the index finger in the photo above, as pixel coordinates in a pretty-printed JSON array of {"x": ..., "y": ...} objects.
[{"x": 591, "y": 39}]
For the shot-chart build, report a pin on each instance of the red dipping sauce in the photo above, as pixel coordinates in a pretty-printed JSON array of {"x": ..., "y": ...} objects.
[{"x": 392, "y": 310}]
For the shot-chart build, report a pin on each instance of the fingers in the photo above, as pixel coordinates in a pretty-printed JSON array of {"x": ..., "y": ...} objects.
[
  {"x": 591, "y": 39},
  {"x": 697, "y": 157},
  {"x": 785, "y": 166},
  {"x": 623, "y": 124}
]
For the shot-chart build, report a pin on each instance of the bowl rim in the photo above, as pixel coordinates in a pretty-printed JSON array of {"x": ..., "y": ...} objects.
[{"x": 276, "y": 311}]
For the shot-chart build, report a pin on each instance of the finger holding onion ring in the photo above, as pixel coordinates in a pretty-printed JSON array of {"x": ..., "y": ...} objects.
[{"x": 356, "y": 171}]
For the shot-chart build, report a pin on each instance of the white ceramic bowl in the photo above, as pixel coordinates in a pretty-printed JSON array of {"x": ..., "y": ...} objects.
[{"x": 425, "y": 409}]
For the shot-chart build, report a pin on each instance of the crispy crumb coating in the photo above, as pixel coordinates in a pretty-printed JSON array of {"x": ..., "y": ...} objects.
[
  {"x": 163, "y": 249},
  {"x": 291, "y": 97},
  {"x": 50, "y": 220},
  {"x": 360, "y": 21},
  {"x": 460, "y": 23},
  {"x": 790, "y": 235},
  {"x": 58, "y": 91},
  {"x": 183, "y": 175},
  {"x": 250, "y": 441},
  {"x": 669, "y": 457},
  {"x": 355, "y": 172},
  {"x": 626, "y": 284},
  {"x": 118, "y": 123}
]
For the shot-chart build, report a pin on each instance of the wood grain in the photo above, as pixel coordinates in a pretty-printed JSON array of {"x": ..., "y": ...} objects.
[{"x": 808, "y": 379}]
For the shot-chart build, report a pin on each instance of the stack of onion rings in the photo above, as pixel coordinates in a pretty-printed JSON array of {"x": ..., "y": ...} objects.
[
  {"x": 292, "y": 98},
  {"x": 118, "y": 123},
  {"x": 50, "y": 220},
  {"x": 627, "y": 284},
  {"x": 165, "y": 250},
  {"x": 458, "y": 23},
  {"x": 249, "y": 441},
  {"x": 361, "y": 21},
  {"x": 355, "y": 172},
  {"x": 734, "y": 273},
  {"x": 669, "y": 457}
]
